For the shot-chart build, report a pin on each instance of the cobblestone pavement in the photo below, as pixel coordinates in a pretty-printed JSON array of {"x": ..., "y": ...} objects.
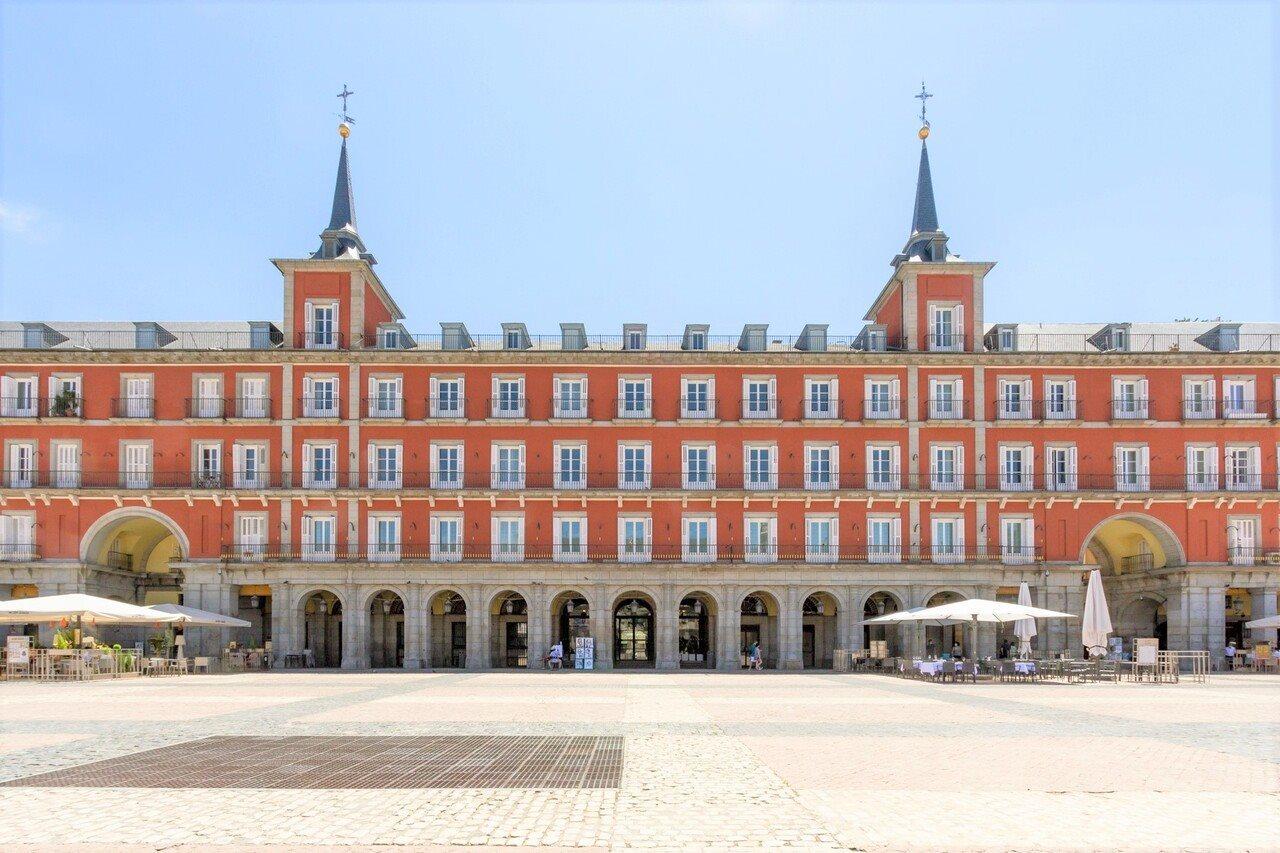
[{"x": 812, "y": 761}]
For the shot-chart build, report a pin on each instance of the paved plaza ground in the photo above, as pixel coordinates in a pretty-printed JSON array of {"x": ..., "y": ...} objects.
[{"x": 714, "y": 760}]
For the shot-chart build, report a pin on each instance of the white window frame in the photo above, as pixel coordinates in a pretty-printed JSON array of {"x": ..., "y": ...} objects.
[
  {"x": 1126, "y": 406},
  {"x": 20, "y": 463},
  {"x": 507, "y": 552},
  {"x": 66, "y": 473},
  {"x": 1067, "y": 410},
  {"x": 17, "y": 536},
  {"x": 574, "y": 480},
  {"x": 1070, "y": 477},
  {"x": 1202, "y": 477},
  {"x": 1244, "y": 539},
  {"x": 950, "y": 409},
  {"x": 747, "y": 478},
  {"x": 377, "y": 550},
  {"x": 812, "y": 409},
  {"x": 573, "y": 551},
  {"x": 1139, "y": 480},
  {"x": 1013, "y": 401},
  {"x": 701, "y": 551},
  {"x": 1239, "y": 397},
  {"x": 638, "y": 479},
  {"x": 1199, "y": 402},
  {"x": 503, "y": 476},
  {"x": 310, "y": 480},
  {"x": 952, "y": 339},
  {"x": 1022, "y": 528},
  {"x": 1027, "y": 459},
  {"x": 877, "y": 406},
  {"x": 503, "y": 405},
  {"x": 313, "y": 337},
  {"x": 707, "y": 411},
  {"x": 446, "y": 552},
  {"x": 458, "y": 402},
  {"x": 311, "y": 399},
  {"x": 251, "y": 535},
  {"x": 1251, "y": 480},
  {"x": 628, "y": 405},
  {"x": 573, "y": 405},
  {"x": 457, "y": 479},
  {"x": 755, "y": 408},
  {"x": 753, "y": 550},
  {"x": 953, "y": 552},
  {"x": 138, "y": 393},
  {"x": 886, "y": 552},
  {"x": 940, "y": 480},
  {"x": 629, "y": 550},
  {"x": 832, "y": 475},
  {"x": 386, "y": 405},
  {"x": 393, "y": 479},
  {"x": 137, "y": 479},
  {"x": 19, "y": 405},
  {"x": 256, "y": 404},
  {"x": 319, "y": 552},
  {"x": 206, "y": 476},
  {"x": 892, "y": 479},
  {"x": 818, "y": 553},
  {"x": 703, "y": 484}
]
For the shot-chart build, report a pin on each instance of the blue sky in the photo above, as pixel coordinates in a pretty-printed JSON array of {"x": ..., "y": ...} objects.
[{"x": 617, "y": 162}]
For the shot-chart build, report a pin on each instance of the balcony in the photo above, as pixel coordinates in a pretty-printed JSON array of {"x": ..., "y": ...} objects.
[
  {"x": 1137, "y": 563},
  {"x": 133, "y": 407},
  {"x": 20, "y": 552},
  {"x": 1129, "y": 409},
  {"x": 635, "y": 407},
  {"x": 319, "y": 340},
  {"x": 320, "y": 406},
  {"x": 882, "y": 408},
  {"x": 947, "y": 409},
  {"x": 206, "y": 407},
  {"x": 1019, "y": 409},
  {"x": 570, "y": 408},
  {"x": 698, "y": 408},
  {"x": 19, "y": 407},
  {"x": 821, "y": 409},
  {"x": 1245, "y": 555},
  {"x": 447, "y": 406},
  {"x": 1200, "y": 409},
  {"x": 945, "y": 342},
  {"x": 250, "y": 407},
  {"x": 386, "y": 406},
  {"x": 760, "y": 409},
  {"x": 507, "y": 406}
]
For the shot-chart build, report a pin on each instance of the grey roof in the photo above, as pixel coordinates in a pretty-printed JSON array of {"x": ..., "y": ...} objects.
[
  {"x": 116, "y": 335},
  {"x": 925, "y": 216},
  {"x": 341, "y": 239},
  {"x": 1178, "y": 336}
]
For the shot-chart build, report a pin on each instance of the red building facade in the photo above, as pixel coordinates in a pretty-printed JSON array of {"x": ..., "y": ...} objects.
[{"x": 369, "y": 497}]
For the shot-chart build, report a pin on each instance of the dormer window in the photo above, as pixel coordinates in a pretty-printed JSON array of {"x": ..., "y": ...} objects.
[
  {"x": 946, "y": 328},
  {"x": 698, "y": 340},
  {"x": 389, "y": 339},
  {"x": 635, "y": 340},
  {"x": 512, "y": 339}
]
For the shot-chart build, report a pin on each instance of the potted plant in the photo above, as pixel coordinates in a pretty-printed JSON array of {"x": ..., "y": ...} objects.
[{"x": 65, "y": 404}]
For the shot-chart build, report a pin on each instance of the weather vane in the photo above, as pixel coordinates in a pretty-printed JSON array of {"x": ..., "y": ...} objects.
[
  {"x": 344, "y": 129},
  {"x": 924, "y": 97}
]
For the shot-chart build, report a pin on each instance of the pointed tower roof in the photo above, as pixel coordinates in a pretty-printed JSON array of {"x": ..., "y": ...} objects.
[
  {"x": 341, "y": 239},
  {"x": 926, "y": 242},
  {"x": 925, "y": 217}
]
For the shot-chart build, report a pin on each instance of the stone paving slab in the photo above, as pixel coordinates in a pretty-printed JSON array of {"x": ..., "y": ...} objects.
[{"x": 711, "y": 761}]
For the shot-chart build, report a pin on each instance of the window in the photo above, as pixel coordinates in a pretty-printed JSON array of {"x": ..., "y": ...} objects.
[
  {"x": 64, "y": 397},
  {"x": 633, "y": 466},
  {"x": 760, "y": 539},
  {"x": 698, "y": 544},
  {"x": 697, "y": 340},
  {"x": 635, "y": 340},
  {"x": 883, "y": 466},
  {"x": 208, "y": 399},
  {"x": 385, "y": 471},
  {"x": 760, "y": 463},
  {"x": 319, "y": 537},
  {"x": 446, "y": 397},
  {"x": 508, "y": 397},
  {"x": 508, "y": 538},
  {"x": 1060, "y": 468},
  {"x": 1202, "y": 467},
  {"x": 1243, "y": 469},
  {"x": 508, "y": 466},
  {"x": 946, "y": 327},
  {"x": 568, "y": 539},
  {"x": 570, "y": 398},
  {"x": 249, "y": 463},
  {"x": 698, "y": 400},
  {"x": 384, "y": 538},
  {"x": 946, "y": 399},
  {"x": 945, "y": 472},
  {"x": 17, "y": 536},
  {"x": 1197, "y": 399},
  {"x": 699, "y": 466},
  {"x": 1006, "y": 340},
  {"x": 208, "y": 465},
  {"x": 513, "y": 340},
  {"x": 758, "y": 398},
  {"x": 252, "y": 400},
  {"x": 884, "y": 539},
  {"x": 634, "y": 539},
  {"x": 251, "y": 536},
  {"x": 1131, "y": 468},
  {"x": 882, "y": 398},
  {"x": 389, "y": 339},
  {"x": 321, "y": 325},
  {"x": 138, "y": 401},
  {"x": 1014, "y": 402},
  {"x": 18, "y": 397},
  {"x": 1016, "y": 545},
  {"x": 571, "y": 465},
  {"x": 386, "y": 398},
  {"x": 320, "y": 469},
  {"x": 633, "y": 398},
  {"x": 66, "y": 464},
  {"x": 320, "y": 397},
  {"x": 446, "y": 466},
  {"x": 820, "y": 533},
  {"x": 948, "y": 540},
  {"x": 821, "y": 400},
  {"x": 820, "y": 466},
  {"x": 1015, "y": 468},
  {"x": 446, "y": 538},
  {"x": 21, "y": 465},
  {"x": 1129, "y": 399},
  {"x": 1060, "y": 399},
  {"x": 1242, "y": 540},
  {"x": 1238, "y": 398},
  {"x": 136, "y": 473}
]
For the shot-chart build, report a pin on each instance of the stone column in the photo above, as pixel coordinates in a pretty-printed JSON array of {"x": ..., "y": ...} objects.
[
  {"x": 790, "y": 630},
  {"x": 1215, "y": 624},
  {"x": 1264, "y": 605},
  {"x": 414, "y": 618},
  {"x": 355, "y": 630},
  {"x": 668, "y": 628},
  {"x": 283, "y": 636},
  {"x": 986, "y": 632},
  {"x": 847, "y": 637},
  {"x": 601, "y": 616},
  {"x": 1073, "y": 602},
  {"x": 479, "y": 655},
  {"x": 729, "y": 630},
  {"x": 539, "y": 637}
]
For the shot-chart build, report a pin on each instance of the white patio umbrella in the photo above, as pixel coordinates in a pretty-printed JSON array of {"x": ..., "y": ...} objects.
[
  {"x": 972, "y": 611},
  {"x": 1024, "y": 629},
  {"x": 202, "y": 618},
  {"x": 1096, "y": 623},
  {"x": 1264, "y": 622},
  {"x": 82, "y": 608}
]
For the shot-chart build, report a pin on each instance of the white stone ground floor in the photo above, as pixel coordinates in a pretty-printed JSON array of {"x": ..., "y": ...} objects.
[
  {"x": 663, "y": 616},
  {"x": 711, "y": 760}
]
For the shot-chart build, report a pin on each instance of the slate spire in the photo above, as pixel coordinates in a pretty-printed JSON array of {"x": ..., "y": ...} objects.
[
  {"x": 926, "y": 242},
  {"x": 341, "y": 239},
  {"x": 925, "y": 217}
]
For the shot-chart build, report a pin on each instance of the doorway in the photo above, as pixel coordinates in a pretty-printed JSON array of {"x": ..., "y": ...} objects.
[{"x": 633, "y": 634}]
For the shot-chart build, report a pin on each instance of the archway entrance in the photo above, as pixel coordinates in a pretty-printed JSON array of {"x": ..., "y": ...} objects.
[
  {"x": 633, "y": 633},
  {"x": 1132, "y": 545},
  {"x": 253, "y": 604},
  {"x": 386, "y": 630},
  {"x": 509, "y": 617},
  {"x": 1142, "y": 617},
  {"x": 759, "y": 615},
  {"x": 131, "y": 545},
  {"x": 1237, "y": 610},
  {"x": 818, "y": 631},
  {"x": 322, "y": 628},
  {"x": 570, "y": 619},
  {"x": 697, "y": 631},
  {"x": 873, "y": 636},
  {"x": 946, "y": 639},
  {"x": 448, "y": 630}
]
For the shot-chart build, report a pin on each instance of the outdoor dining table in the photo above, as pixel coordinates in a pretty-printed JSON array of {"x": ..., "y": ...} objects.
[
  {"x": 1024, "y": 667},
  {"x": 929, "y": 667}
]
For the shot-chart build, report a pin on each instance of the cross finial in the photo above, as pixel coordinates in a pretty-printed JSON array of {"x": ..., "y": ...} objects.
[
  {"x": 924, "y": 97},
  {"x": 344, "y": 94}
]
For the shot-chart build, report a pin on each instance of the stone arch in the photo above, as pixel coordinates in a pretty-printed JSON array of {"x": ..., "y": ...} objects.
[
  {"x": 321, "y": 612},
  {"x": 634, "y": 614},
  {"x": 890, "y": 635},
  {"x": 698, "y": 621},
  {"x": 570, "y": 613},
  {"x": 1119, "y": 542},
  {"x": 1142, "y": 615},
  {"x": 898, "y": 598},
  {"x": 385, "y": 608},
  {"x": 448, "y": 626},
  {"x": 373, "y": 591},
  {"x": 943, "y": 639},
  {"x": 508, "y": 613},
  {"x": 820, "y": 627},
  {"x": 149, "y": 530},
  {"x": 761, "y": 627}
]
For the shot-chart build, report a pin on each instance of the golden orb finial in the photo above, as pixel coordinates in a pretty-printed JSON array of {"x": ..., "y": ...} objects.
[
  {"x": 924, "y": 132},
  {"x": 344, "y": 130}
]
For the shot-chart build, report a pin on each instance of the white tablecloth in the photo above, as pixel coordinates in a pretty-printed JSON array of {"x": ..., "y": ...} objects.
[
  {"x": 929, "y": 667},
  {"x": 1024, "y": 667}
]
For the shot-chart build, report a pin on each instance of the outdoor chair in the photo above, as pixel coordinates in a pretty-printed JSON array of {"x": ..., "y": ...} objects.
[
  {"x": 966, "y": 669},
  {"x": 948, "y": 669},
  {"x": 200, "y": 663}
]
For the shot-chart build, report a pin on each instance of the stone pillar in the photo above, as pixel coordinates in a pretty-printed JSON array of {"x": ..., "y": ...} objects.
[
  {"x": 601, "y": 616},
  {"x": 284, "y": 637},
  {"x": 986, "y": 632},
  {"x": 846, "y": 634},
  {"x": 790, "y": 630},
  {"x": 667, "y": 625},
  {"x": 413, "y": 620},
  {"x": 479, "y": 622},
  {"x": 539, "y": 618},
  {"x": 1264, "y": 605},
  {"x": 729, "y": 630},
  {"x": 355, "y": 630},
  {"x": 1177, "y": 609},
  {"x": 1215, "y": 624}
]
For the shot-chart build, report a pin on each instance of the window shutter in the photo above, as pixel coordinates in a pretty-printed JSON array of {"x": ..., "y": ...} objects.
[
  {"x": 1071, "y": 465},
  {"x": 773, "y": 463},
  {"x": 308, "y": 459},
  {"x": 309, "y": 323},
  {"x": 495, "y": 390},
  {"x": 1190, "y": 464},
  {"x": 835, "y": 465},
  {"x": 648, "y": 462},
  {"x": 1071, "y": 396},
  {"x": 895, "y": 457},
  {"x": 1144, "y": 471},
  {"x": 1026, "y": 396},
  {"x": 895, "y": 391},
  {"x": 1143, "y": 399},
  {"x": 1213, "y": 465},
  {"x": 1029, "y": 464},
  {"x": 308, "y": 530},
  {"x": 8, "y": 391},
  {"x": 959, "y": 326},
  {"x": 960, "y": 466},
  {"x": 1118, "y": 463}
]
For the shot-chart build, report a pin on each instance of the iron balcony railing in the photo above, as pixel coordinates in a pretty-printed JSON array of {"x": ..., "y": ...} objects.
[
  {"x": 570, "y": 407},
  {"x": 698, "y": 407},
  {"x": 700, "y": 479},
  {"x": 945, "y": 342},
  {"x": 18, "y": 551},
  {"x": 320, "y": 406},
  {"x": 325, "y": 340},
  {"x": 447, "y": 406},
  {"x": 760, "y": 408},
  {"x": 948, "y": 409},
  {"x": 206, "y": 407},
  {"x": 608, "y": 552},
  {"x": 133, "y": 407},
  {"x": 383, "y": 406},
  {"x": 508, "y": 406},
  {"x": 1246, "y": 555}
]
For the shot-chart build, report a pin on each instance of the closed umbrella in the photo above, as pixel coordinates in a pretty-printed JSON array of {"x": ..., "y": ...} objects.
[
  {"x": 1024, "y": 629},
  {"x": 1096, "y": 624}
]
